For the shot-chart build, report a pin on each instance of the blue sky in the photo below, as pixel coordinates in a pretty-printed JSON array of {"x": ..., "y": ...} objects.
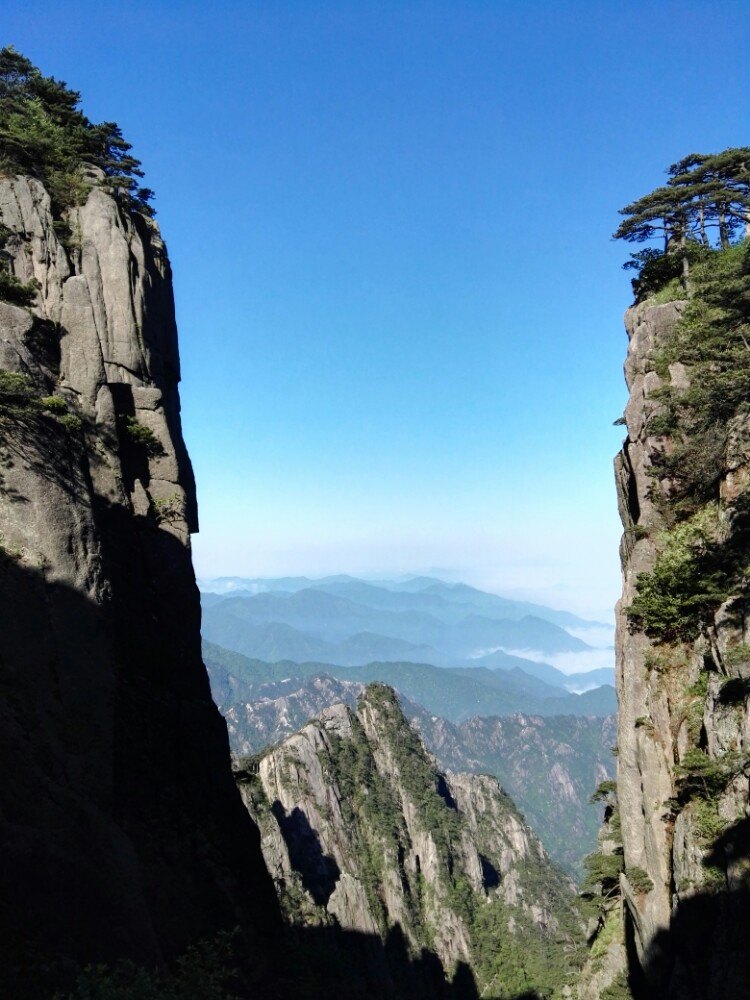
[{"x": 399, "y": 304}]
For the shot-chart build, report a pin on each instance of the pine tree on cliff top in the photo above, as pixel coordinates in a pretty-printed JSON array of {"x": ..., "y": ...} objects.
[
  {"x": 705, "y": 203},
  {"x": 43, "y": 133}
]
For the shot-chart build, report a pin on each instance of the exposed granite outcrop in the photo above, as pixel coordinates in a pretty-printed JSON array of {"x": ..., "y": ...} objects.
[
  {"x": 122, "y": 832},
  {"x": 547, "y": 765},
  {"x": 688, "y": 931},
  {"x": 407, "y": 852}
]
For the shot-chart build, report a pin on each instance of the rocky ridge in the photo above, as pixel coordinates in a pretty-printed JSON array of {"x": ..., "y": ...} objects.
[
  {"x": 548, "y": 765},
  {"x": 361, "y": 833}
]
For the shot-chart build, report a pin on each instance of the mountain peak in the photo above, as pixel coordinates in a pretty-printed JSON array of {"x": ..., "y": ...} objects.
[{"x": 365, "y": 833}]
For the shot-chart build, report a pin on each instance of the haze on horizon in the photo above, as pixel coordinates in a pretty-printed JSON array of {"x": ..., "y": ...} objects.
[
  {"x": 398, "y": 300},
  {"x": 598, "y": 636},
  {"x": 521, "y": 578}
]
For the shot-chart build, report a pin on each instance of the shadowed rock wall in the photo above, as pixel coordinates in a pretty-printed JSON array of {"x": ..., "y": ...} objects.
[{"x": 122, "y": 832}]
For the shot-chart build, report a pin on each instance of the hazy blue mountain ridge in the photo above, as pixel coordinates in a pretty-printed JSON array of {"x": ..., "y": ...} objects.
[
  {"x": 415, "y": 592},
  {"x": 333, "y": 619},
  {"x": 453, "y": 693},
  {"x": 546, "y": 672}
]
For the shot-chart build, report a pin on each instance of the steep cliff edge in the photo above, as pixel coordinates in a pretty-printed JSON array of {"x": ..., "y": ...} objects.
[
  {"x": 123, "y": 834},
  {"x": 362, "y": 833},
  {"x": 683, "y": 661}
]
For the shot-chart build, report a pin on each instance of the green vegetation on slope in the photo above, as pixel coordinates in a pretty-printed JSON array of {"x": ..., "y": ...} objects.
[
  {"x": 380, "y": 773},
  {"x": 692, "y": 576},
  {"x": 505, "y": 962},
  {"x": 21, "y": 400},
  {"x": 373, "y": 814},
  {"x": 546, "y": 765}
]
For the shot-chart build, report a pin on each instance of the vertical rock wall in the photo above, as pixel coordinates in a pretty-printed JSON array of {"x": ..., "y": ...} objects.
[
  {"x": 122, "y": 832},
  {"x": 686, "y": 923},
  {"x": 363, "y": 836}
]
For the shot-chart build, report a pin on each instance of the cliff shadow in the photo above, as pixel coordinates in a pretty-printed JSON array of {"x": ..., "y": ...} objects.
[
  {"x": 123, "y": 834},
  {"x": 352, "y": 965},
  {"x": 705, "y": 952},
  {"x": 321, "y": 963},
  {"x": 124, "y": 837},
  {"x": 445, "y": 793},
  {"x": 318, "y": 872},
  {"x": 490, "y": 874}
]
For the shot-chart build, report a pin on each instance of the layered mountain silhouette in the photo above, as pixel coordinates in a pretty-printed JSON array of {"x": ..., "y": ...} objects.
[
  {"x": 455, "y": 693},
  {"x": 348, "y": 622}
]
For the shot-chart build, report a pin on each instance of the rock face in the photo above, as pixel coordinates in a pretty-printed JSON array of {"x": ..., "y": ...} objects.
[
  {"x": 547, "y": 765},
  {"x": 121, "y": 828},
  {"x": 683, "y": 725},
  {"x": 277, "y": 710},
  {"x": 361, "y": 833}
]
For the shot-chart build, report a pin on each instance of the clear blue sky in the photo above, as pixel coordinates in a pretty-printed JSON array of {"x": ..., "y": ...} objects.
[{"x": 399, "y": 305}]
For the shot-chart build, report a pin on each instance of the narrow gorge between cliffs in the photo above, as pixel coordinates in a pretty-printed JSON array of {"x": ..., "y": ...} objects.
[{"x": 355, "y": 786}]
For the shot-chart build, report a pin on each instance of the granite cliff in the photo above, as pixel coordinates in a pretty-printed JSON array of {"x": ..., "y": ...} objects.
[
  {"x": 123, "y": 833},
  {"x": 682, "y": 784},
  {"x": 362, "y": 833},
  {"x": 548, "y": 765}
]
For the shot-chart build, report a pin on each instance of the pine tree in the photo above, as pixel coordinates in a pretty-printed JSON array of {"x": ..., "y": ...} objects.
[
  {"x": 704, "y": 193},
  {"x": 43, "y": 133}
]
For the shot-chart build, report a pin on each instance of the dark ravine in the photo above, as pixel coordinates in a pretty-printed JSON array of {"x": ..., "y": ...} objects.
[{"x": 123, "y": 833}]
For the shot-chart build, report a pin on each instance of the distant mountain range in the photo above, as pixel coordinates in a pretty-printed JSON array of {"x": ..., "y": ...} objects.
[
  {"x": 455, "y": 693},
  {"x": 348, "y": 622},
  {"x": 281, "y": 651},
  {"x": 423, "y": 590}
]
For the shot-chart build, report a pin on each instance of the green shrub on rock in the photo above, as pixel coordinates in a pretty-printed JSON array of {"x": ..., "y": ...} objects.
[
  {"x": 690, "y": 579},
  {"x": 140, "y": 435},
  {"x": 15, "y": 291},
  {"x": 602, "y": 873},
  {"x": 639, "y": 879},
  {"x": 16, "y": 392},
  {"x": 618, "y": 989}
]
